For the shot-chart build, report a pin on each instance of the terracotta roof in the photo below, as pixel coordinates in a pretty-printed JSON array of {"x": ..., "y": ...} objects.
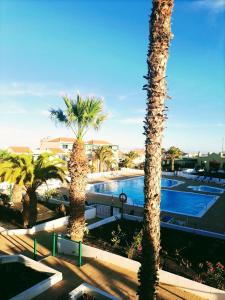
[
  {"x": 15, "y": 149},
  {"x": 62, "y": 139},
  {"x": 98, "y": 142},
  {"x": 56, "y": 150},
  {"x": 139, "y": 151}
]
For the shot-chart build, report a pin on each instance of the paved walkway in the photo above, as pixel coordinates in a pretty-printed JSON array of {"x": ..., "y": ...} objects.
[{"x": 111, "y": 278}]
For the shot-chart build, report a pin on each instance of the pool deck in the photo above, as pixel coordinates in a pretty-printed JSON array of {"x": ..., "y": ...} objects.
[{"x": 212, "y": 220}]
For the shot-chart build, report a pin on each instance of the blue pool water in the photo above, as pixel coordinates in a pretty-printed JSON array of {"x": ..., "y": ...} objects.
[
  {"x": 185, "y": 203},
  {"x": 206, "y": 188}
]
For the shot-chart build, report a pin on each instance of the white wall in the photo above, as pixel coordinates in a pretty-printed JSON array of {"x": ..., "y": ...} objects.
[{"x": 90, "y": 213}]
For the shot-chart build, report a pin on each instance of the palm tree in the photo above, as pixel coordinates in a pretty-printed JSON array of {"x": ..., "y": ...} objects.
[
  {"x": 160, "y": 36},
  {"x": 79, "y": 116},
  {"x": 172, "y": 153},
  {"x": 25, "y": 171},
  {"x": 104, "y": 156},
  {"x": 128, "y": 161},
  {"x": 16, "y": 190}
]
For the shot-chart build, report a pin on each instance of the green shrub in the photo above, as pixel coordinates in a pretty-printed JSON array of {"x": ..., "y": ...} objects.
[
  {"x": 215, "y": 275},
  {"x": 50, "y": 193}
]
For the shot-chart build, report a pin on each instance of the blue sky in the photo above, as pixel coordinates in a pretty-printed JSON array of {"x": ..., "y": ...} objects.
[{"x": 51, "y": 48}]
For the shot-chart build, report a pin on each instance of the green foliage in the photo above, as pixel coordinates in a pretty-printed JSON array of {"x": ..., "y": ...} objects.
[
  {"x": 117, "y": 236},
  {"x": 25, "y": 171},
  {"x": 173, "y": 152},
  {"x": 135, "y": 250},
  {"x": 80, "y": 115},
  {"x": 215, "y": 275},
  {"x": 50, "y": 193},
  {"x": 105, "y": 156},
  {"x": 128, "y": 161}
]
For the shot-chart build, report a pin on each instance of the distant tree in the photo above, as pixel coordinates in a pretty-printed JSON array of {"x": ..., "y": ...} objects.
[
  {"x": 15, "y": 193},
  {"x": 80, "y": 115},
  {"x": 104, "y": 156},
  {"x": 28, "y": 173},
  {"x": 4, "y": 153},
  {"x": 128, "y": 161},
  {"x": 172, "y": 153}
]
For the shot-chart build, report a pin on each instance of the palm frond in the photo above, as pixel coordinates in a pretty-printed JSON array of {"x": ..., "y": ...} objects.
[{"x": 58, "y": 116}]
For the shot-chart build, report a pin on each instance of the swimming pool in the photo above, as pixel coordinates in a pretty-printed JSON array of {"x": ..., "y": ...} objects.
[
  {"x": 184, "y": 203},
  {"x": 206, "y": 188}
]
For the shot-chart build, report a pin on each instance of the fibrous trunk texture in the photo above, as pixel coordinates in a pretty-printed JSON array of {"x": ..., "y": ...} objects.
[
  {"x": 17, "y": 193},
  {"x": 160, "y": 36},
  {"x": 29, "y": 208},
  {"x": 172, "y": 164},
  {"x": 78, "y": 168}
]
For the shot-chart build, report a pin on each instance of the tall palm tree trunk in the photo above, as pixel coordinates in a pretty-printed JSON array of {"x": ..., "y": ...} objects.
[
  {"x": 78, "y": 168},
  {"x": 29, "y": 208},
  {"x": 172, "y": 164},
  {"x": 160, "y": 36},
  {"x": 17, "y": 193}
]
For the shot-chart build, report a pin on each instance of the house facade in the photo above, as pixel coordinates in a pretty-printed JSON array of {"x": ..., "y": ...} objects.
[
  {"x": 212, "y": 161},
  {"x": 65, "y": 144}
]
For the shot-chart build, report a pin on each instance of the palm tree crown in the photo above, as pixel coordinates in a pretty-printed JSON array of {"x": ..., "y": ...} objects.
[
  {"x": 80, "y": 115},
  {"x": 173, "y": 152},
  {"x": 29, "y": 173},
  {"x": 104, "y": 155}
]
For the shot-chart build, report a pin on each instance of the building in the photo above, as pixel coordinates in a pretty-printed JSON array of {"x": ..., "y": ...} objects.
[
  {"x": 65, "y": 144},
  {"x": 211, "y": 161},
  {"x": 19, "y": 150},
  {"x": 60, "y": 143}
]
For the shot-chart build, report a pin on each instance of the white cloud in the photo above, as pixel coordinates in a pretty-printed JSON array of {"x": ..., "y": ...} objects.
[
  {"x": 213, "y": 5},
  {"x": 28, "y": 89},
  {"x": 135, "y": 120}
]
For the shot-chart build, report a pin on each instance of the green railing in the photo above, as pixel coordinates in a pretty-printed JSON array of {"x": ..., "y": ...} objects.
[{"x": 54, "y": 247}]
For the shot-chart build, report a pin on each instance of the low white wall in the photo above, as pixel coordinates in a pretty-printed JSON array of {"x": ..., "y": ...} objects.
[
  {"x": 194, "y": 230},
  {"x": 40, "y": 227},
  {"x": 55, "y": 276},
  {"x": 102, "y": 222},
  {"x": 90, "y": 213},
  {"x": 70, "y": 248},
  {"x": 180, "y": 228},
  {"x": 111, "y": 174}
]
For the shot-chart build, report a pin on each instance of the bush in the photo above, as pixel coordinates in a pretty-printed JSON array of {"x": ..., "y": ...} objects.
[
  {"x": 50, "y": 193},
  {"x": 215, "y": 275}
]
